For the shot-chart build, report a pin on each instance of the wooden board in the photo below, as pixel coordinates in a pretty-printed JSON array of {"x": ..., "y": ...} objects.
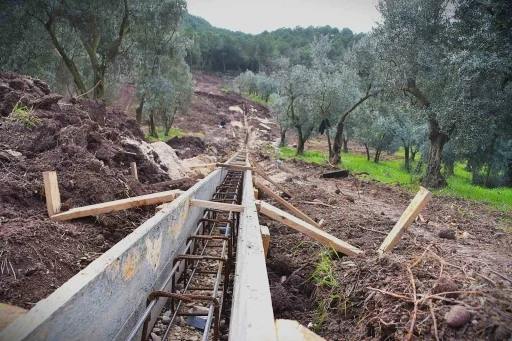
[
  {"x": 288, "y": 330},
  {"x": 51, "y": 192},
  {"x": 256, "y": 194},
  {"x": 204, "y": 165},
  {"x": 265, "y": 237},
  {"x": 409, "y": 215},
  {"x": 133, "y": 170},
  {"x": 234, "y": 167},
  {"x": 308, "y": 229},
  {"x": 286, "y": 204},
  {"x": 9, "y": 313},
  {"x": 117, "y": 205},
  {"x": 266, "y": 177},
  {"x": 252, "y": 317},
  {"x": 216, "y": 205}
]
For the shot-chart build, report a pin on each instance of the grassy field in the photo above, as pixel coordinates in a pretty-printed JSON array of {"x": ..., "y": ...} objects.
[
  {"x": 254, "y": 98},
  {"x": 172, "y": 133},
  {"x": 393, "y": 172}
]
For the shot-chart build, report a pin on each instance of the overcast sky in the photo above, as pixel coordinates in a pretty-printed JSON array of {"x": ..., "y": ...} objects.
[{"x": 256, "y": 16}]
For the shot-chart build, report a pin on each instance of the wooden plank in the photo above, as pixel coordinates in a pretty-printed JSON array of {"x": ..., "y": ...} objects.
[
  {"x": 256, "y": 194},
  {"x": 117, "y": 205},
  {"x": 252, "y": 317},
  {"x": 286, "y": 204},
  {"x": 265, "y": 176},
  {"x": 412, "y": 211},
  {"x": 265, "y": 237},
  {"x": 133, "y": 170},
  {"x": 216, "y": 205},
  {"x": 308, "y": 229},
  {"x": 51, "y": 192},
  {"x": 234, "y": 167},
  {"x": 204, "y": 165},
  {"x": 288, "y": 330}
]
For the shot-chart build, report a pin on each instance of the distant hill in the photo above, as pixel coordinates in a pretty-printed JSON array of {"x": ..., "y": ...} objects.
[{"x": 218, "y": 49}]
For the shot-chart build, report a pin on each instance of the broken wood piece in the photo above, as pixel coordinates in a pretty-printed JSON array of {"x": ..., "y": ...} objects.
[
  {"x": 286, "y": 204},
  {"x": 234, "y": 167},
  {"x": 216, "y": 205},
  {"x": 336, "y": 174},
  {"x": 308, "y": 229},
  {"x": 317, "y": 203},
  {"x": 265, "y": 126},
  {"x": 256, "y": 194},
  {"x": 412, "y": 211},
  {"x": 288, "y": 330},
  {"x": 117, "y": 205},
  {"x": 133, "y": 170},
  {"x": 265, "y": 237},
  {"x": 51, "y": 192},
  {"x": 204, "y": 165}
]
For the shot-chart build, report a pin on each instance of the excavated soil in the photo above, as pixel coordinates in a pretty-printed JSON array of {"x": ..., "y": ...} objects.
[
  {"x": 370, "y": 297},
  {"x": 84, "y": 143},
  {"x": 187, "y": 147}
]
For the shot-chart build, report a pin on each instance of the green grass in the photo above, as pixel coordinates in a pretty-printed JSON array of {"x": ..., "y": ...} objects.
[
  {"x": 254, "y": 98},
  {"x": 393, "y": 172},
  {"x": 224, "y": 89},
  {"x": 172, "y": 133}
]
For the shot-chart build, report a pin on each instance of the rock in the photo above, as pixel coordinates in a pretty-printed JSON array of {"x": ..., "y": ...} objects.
[
  {"x": 166, "y": 319},
  {"x": 167, "y": 313},
  {"x": 457, "y": 316},
  {"x": 193, "y": 338},
  {"x": 155, "y": 337},
  {"x": 445, "y": 284},
  {"x": 157, "y": 331},
  {"x": 447, "y": 234}
]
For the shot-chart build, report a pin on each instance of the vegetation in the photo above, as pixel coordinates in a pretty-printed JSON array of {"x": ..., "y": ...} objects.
[
  {"x": 393, "y": 172},
  {"x": 171, "y": 133}
]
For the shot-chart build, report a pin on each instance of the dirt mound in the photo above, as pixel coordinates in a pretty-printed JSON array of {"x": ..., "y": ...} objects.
[
  {"x": 187, "y": 147},
  {"x": 85, "y": 142}
]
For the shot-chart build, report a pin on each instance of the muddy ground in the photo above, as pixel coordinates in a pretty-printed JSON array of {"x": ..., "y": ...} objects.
[
  {"x": 356, "y": 299},
  {"x": 85, "y": 143}
]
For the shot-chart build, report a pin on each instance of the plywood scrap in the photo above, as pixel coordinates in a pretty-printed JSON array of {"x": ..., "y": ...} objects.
[
  {"x": 133, "y": 170},
  {"x": 409, "y": 215},
  {"x": 286, "y": 204},
  {"x": 288, "y": 330},
  {"x": 117, "y": 205},
  {"x": 51, "y": 192},
  {"x": 308, "y": 229},
  {"x": 216, "y": 205}
]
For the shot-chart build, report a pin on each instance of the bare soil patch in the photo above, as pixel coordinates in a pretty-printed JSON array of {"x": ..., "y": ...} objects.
[{"x": 372, "y": 298}]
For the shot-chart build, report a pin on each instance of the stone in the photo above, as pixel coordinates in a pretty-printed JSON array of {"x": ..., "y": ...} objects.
[
  {"x": 157, "y": 331},
  {"x": 447, "y": 234},
  {"x": 167, "y": 313},
  {"x": 193, "y": 338},
  {"x": 166, "y": 319},
  {"x": 155, "y": 337},
  {"x": 457, "y": 316}
]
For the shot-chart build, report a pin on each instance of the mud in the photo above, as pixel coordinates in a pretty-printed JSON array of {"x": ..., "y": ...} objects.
[
  {"x": 187, "y": 147},
  {"x": 84, "y": 143},
  {"x": 353, "y": 296}
]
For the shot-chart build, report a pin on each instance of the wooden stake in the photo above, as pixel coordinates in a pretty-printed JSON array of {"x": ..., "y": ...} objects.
[
  {"x": 308, "y": 229},
  {"x": 51, "y": 191},
  {"x": 412, "y": 211},
  {"x": 286, "y": 204},
  {"x": 265, "y": 237},
  {"x": 117, "y": 205},
  {"x": 256, "y": 194},
  {"x": 216, "y": 205},
  {"x": 288, "y": 330},
  {"x": 133, "y": 170}
]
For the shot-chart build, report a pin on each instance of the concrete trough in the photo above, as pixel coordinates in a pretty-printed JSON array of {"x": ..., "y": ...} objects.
[{"x": 105, "y": 300}]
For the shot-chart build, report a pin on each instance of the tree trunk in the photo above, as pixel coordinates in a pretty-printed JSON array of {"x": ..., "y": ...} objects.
[
  {"x": 433, "y": 177},
  {"x": 282, "y": 142},
  {"x": 345, "y": 145},
  {"x": 329, "y": 143},
  {"x": 376, "y": 159},
  {"x": 99, "y": 82},
  {"x": 413, "y": 154},
  {"x": 510, "y": 173},
  {"x": 168, "y": 122},
  {"x": 152, "y": 127},
  {"x": 367, "y": 152},
  {"x": 407, "y": 158},
  {"x": 138, "y": 111},
  {"x": 301, "y": 142},
  {"x": 336, "y": 148},
  {"x": 449, "y": 168}
]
